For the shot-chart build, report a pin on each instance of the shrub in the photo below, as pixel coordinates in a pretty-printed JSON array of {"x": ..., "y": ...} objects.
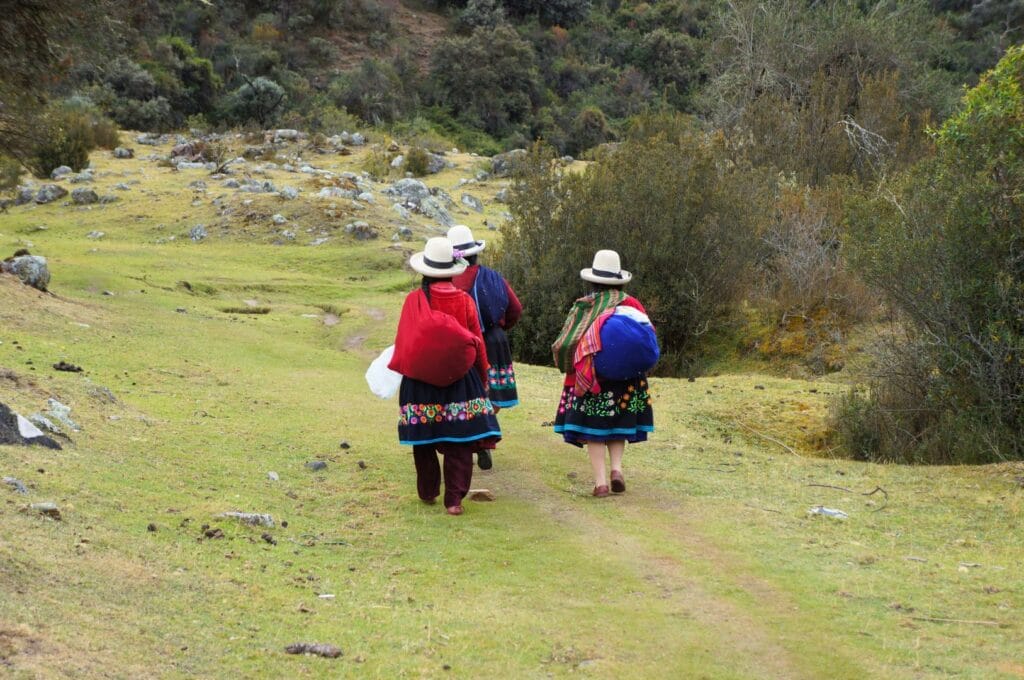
[
  {"x": 682, "y": 217},
  {"x": 374, "y": 92},
  {"x": 10, "y": 172},
  {"x": 417, "y": 161},
  {"x": 943, "y": 243},
  {"x": 258, "y": 100}
]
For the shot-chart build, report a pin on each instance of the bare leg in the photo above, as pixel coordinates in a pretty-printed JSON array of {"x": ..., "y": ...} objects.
[
  {"x": 596, "y": 452},
  {"x": 615, "y": 451}
]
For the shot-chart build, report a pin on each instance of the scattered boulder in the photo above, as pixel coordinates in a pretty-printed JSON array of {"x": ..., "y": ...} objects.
[
  {"x": 472, "y": 202},
  {"x": 253, "y": 518},
  {"x": 31, "y": 269},
  {"x": 60, "y": 171},
  {"x": 366, "y": 197},
  {"x": 197, "y": 185},
  {"x": 504, "y": 164},
  {"x": 502, "y": 196},
  {"x": 316, "y": 648},
  {"x": 189, "y": 151},
  {"x": 108, "y": 198},
  {"x": 316, "y": 465},
  {"x": 433, "y": 209},
  {"x": 45, "y": 424},
  {"x": 47, "y": 509},
  {"x": 95, "y": 235},
  {"x": 289, "y": 193},
  {"x": 357, "y": 139},
  {"x": 62, "y": 414},
  {"x": 82, "y": 177},
  {"x": 286, "y": 135},
  {"x": 24, "y": 195},
  {"x": 397, "y": 161},
  {"x": 362, "y": 231},
  {"x": 279, "y": 219},
  {"x": 121, "y": 186},
  {"x": 149, "y": 139},
  {"x": 198, "y": 233},
  {"x": 402, "y": 211},
  {"x": 338, "y": 192},
  {"x": 404, "y": 233},
  {"x": 436, "y": 163},
  {"x": 409, "y": 189},
  {"x": 273, "y": 476},
  {"x": 49, "y": 193},
  {"x": 84, "y": 197},
  {"x": 231, "y": 184},
  {"x": 123, "y": 152},
  {"x": 16, "y": 484},
  {"x": 16, "y": 430}
]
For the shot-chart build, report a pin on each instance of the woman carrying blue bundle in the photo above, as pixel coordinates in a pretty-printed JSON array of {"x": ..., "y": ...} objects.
[
  {"x": 606, "y": 347},
  {"x": 499, "y": 310}
]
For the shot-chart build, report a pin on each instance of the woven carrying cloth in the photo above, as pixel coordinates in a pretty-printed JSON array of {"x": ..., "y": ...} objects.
[{"x": 583, "y": 313}]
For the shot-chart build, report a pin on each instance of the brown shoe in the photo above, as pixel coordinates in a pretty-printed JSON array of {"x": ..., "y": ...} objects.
[
  {"x": 455, "y": 510},
  {"x": 601, "y": 491},
  {"x": 618, "y": 483}
]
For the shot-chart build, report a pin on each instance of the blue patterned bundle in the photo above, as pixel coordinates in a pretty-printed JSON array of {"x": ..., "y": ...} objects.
[{"x": 629, "y": 346}]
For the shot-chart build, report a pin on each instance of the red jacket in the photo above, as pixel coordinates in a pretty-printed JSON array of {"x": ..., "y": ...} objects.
[{"x": 444, "y": 297}]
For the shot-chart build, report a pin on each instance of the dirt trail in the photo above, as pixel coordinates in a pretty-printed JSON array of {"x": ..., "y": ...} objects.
[{"x": 741, "y": 634}]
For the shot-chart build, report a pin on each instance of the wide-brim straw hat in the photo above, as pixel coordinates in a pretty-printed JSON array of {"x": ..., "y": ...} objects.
[
  {"x": 462, "y": 240},
  {"x": 436, "y": 260},
  {"x": 607, "y": 269}
]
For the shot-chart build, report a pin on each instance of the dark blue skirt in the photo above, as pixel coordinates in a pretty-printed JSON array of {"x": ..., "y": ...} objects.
[
  {"x": 621, "y": 410},
  {"x": 501, "y": 376},
  {"x": 459, "y": 413}
]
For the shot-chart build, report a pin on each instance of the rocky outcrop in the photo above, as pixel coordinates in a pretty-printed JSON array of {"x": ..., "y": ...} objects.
[{"x": 31, "y": 269}]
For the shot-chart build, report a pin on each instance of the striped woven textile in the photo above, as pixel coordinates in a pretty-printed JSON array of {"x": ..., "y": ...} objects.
[
  {"x": 584, "y": 312},
  {"x": 589, "y": 345}
]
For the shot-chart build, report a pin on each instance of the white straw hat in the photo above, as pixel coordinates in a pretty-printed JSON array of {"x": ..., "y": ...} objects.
[
  {"x": 607, "y": 269},
  {"x": 462, "y": 240},
  {"x": 436, "y": 260}
]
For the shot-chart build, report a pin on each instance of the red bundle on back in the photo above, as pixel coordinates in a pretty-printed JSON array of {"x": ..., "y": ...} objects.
[{"x": 430, "y": 345}]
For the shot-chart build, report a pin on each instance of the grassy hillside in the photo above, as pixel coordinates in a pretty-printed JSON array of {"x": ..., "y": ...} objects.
[{"x": 710, "y": 566}]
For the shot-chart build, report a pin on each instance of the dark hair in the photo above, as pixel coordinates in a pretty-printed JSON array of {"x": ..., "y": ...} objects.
[
  {"x": 596, "y": 287},
  {"x": 471, "y": 259},
  {"x": 427, "y": 280}
]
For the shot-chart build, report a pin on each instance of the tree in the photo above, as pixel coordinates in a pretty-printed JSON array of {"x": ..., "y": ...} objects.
[
  {"x": 259, "y": 100},
  {"x": 945, "y": 243}
]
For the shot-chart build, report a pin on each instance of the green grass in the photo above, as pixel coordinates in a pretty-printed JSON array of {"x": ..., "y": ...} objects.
[{"x": 710, "y": 566}]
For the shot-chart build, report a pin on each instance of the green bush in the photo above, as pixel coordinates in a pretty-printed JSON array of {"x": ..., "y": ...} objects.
[
  {"x": 260, "y": 100},
  {"x": 417, "y": 160},
  {"x": 681, "y": 215},
  {"x": 63, "y": 138},
  {"x": 944, "y": 243},
  {"x": 10, "y": 172}
]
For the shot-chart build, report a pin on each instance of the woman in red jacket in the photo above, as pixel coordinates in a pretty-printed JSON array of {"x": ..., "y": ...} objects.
[{"x": 454, "y": 420}]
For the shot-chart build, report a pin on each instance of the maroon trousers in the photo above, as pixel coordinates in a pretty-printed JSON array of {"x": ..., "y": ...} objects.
[{"x": 458, "y": 471}]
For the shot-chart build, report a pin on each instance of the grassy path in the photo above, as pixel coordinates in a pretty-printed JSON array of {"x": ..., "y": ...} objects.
[{"x": 709, "y": 567}]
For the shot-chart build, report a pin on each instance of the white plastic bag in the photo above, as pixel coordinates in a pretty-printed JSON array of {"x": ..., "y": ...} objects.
[{"x": 382, "y": 380}]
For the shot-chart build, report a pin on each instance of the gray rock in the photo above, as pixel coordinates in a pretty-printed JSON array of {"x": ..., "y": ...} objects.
[
  {"x": 362, "y": 231},
  {"x": 254, "y": 518},
  {"x": 482, "y": 176},
  {"x": 357, "y": 139},
  {"x": 198, "y": 185},
  {"x": 436, "y": 163},
  {"x": 95, "y": 235},
  {"x": 409, "y": 189},
  {"x": 472, "y": 202},
  {"x": 48, "y": 509},
  {"x": 316, "y": 465},
  {"x": 273, "y": 476},
  {"x": 253, "y": 186},
  {"x": 62, "y": 414},
  {"x": 433, "y": 209},
  {"x": 289, "y": 193},
  {"x": 366, "y": 197},
  {"x": 189, "y": 165},
  {"x": 122, "y": 187},
  {"x": 397, "y": 161},
  {"x": 84, "y": 197},
  {"x": 149, "y": 139},
  {"x": 231, "y": 184},
  {"x": 49, "y": 193},
  {"x": 109, "y": 198},
  {"x": 279, "y": 219},
  {"x": 404, "y": 233},
  {"x": 31, "y": 269},
  {"x": 198, "y": 233},
  {"x": 82, "y": 177},
  {"x": 502, "y": 196},
  {"x": 288, "y": 234},
  {"x": 16, "y": 484},
  {"x": 18, "y": 431},
  {"x": 504, "y": 164},
  {"x": 44, "y": 423},
  {"x": 337, "y": 192},
  {"x": 319, "y": 241},
  {"x": 123, "y": 152},
  {"x": 402, "y": 211},
  {"x": 307, "y": 170},
  {"x": 286, "y": 135},
  {"x": 23, "y": 195},
  {"x": 60, "y": 171},
  {"x": 288, "y": 167}
]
